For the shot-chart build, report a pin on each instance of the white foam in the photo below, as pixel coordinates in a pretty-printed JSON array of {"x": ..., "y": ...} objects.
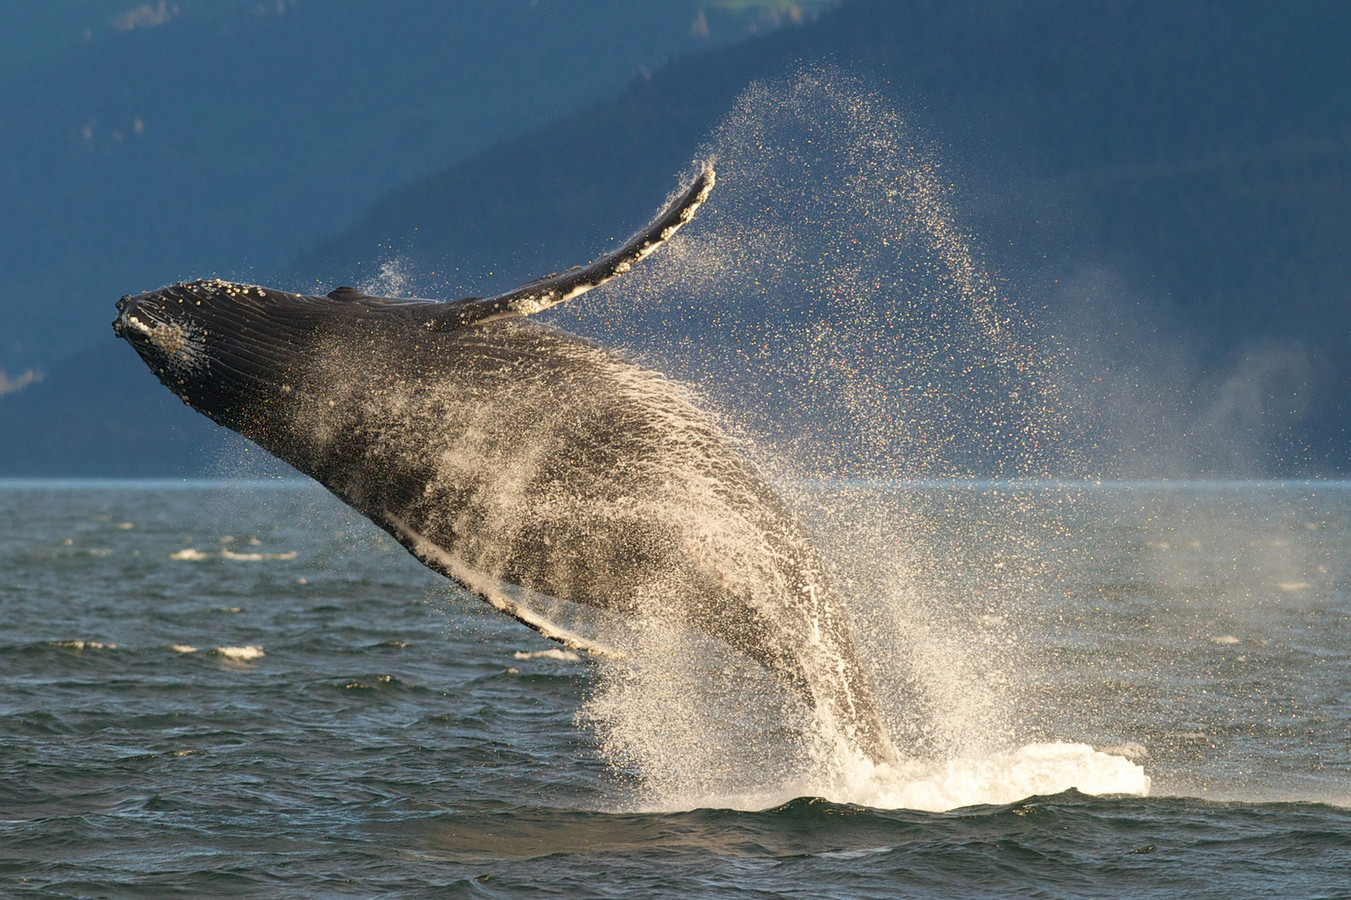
[
  {"x": 246, "y": 653},
  {"x": 182, "y": 648},
  {"x": 994, "y": 779},
  {"x": 189, "y": 554},
  {"x": 551, "y": 653},
  {"x": 998, "y": 778},
  {"x": 80, "y": 646}
]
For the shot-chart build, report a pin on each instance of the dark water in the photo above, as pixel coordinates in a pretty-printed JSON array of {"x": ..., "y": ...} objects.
[{"x": 296, "y": 708}]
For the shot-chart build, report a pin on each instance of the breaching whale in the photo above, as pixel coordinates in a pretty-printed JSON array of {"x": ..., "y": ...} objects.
[{"x": 505, "y": 454}]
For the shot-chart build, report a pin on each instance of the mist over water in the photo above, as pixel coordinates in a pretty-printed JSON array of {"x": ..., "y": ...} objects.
[
  {"x": 829, "y": 302},
  {"x": 828, "y": 296}
]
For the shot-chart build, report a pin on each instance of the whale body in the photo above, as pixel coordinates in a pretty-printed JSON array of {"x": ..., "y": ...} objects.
[{"x": 505, "y": 454}]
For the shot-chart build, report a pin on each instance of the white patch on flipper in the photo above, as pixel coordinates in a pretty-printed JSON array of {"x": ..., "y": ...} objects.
[
  {"x": 491, "y": 590},
  {"x": 539, "y": 295}
]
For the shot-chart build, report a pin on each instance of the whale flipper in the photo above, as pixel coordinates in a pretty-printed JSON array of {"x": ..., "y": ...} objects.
[
  {"x": 488, "y": 589},
  {"x": 542, "y": 293}
]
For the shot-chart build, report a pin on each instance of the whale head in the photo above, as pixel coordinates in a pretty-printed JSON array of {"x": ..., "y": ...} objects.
[{"x": 221, "y": 347}]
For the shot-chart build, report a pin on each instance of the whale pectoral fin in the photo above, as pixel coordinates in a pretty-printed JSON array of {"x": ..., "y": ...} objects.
[
  {"x": 486, "y": 588},
  {"x": 560, "y": 287}
]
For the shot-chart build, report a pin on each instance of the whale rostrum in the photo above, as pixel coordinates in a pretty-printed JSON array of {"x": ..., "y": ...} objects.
[{"x": 505, "y": 454}]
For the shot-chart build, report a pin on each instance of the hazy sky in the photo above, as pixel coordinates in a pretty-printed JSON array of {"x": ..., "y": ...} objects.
[{"x": 144, "y": 143}]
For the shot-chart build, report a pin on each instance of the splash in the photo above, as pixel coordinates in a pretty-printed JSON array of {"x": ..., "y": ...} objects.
[
  {"x": 863, "y": 334},
  {"x": 830, "y": 301},
  {"x": 394, "y": 279},
  {"x": 831, "y": 292},
  {"x": 1004, "y": 777}
]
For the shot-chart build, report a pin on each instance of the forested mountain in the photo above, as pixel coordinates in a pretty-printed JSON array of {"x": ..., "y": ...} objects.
[
  {"x": 1167, "y": 182},
  {"x": 229, "y": 135}
]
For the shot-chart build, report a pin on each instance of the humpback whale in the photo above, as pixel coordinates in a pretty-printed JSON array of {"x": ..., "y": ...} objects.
[{"x": 505, "y": 454}]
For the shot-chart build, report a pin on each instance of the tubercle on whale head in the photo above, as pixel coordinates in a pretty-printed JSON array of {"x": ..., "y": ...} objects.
[
  {"x": 165, "y": 335},
  {"x": 171, "y": 341}
]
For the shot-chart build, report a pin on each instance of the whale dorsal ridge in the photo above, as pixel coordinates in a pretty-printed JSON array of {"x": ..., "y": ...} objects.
[
  {"x": 550, "y": 290},
  {"x": 347, "y": 294}
]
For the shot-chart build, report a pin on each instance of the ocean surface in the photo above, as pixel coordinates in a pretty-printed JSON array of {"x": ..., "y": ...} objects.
[{"x": 243, "y": 689}]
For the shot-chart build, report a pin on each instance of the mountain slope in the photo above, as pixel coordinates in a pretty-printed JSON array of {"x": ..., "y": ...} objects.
[
  {"x": 1165, "y": 185},
  {"x": 189, "y": 138}
]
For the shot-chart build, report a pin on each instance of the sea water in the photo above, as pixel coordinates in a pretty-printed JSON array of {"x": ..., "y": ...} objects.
[{"x": 243, "y": 689}]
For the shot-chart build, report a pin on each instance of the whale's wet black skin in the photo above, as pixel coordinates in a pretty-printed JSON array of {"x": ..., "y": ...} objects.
[{"x": 500, "y": 452}]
